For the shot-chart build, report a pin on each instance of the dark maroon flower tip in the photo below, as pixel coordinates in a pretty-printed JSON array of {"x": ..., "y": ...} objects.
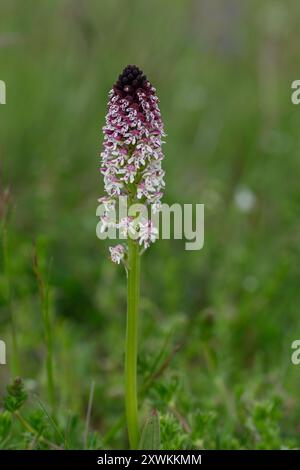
[{"x": 130, "y": 80}]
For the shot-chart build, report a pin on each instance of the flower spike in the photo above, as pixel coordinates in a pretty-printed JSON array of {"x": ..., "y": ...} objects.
[{"x": 132, "y": 154}]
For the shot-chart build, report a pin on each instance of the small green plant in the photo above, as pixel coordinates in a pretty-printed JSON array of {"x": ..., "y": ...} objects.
[
  {"x": 15, "y": 396},
  {"x": 14, "y": 399}
]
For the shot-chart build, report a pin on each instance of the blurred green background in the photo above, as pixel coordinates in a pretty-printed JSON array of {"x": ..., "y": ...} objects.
[{"x": 216, "y": 324}]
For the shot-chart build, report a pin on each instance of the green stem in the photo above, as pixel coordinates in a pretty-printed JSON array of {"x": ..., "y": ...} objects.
[
  {"x": 31, "y": 430},
  {"x": 133, "y": 288},
  {"x": 45, "y": 307},
  {"x": 49, "y": 346},
  {"x": 7, "y": 274}
]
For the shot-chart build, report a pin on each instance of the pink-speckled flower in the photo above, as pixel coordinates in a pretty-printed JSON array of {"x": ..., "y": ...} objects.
[
  {"x": 127, "y": 226},
  {"x": 148, "y": 233},
  {"x": 133, "y": 137},
  {"x": 117, "y": 253}
]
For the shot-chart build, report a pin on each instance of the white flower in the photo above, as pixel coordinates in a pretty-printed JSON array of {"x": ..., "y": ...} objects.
[
  {"x": 129, "y": 173},
  {"x": 105, "y": 223},
  {"x": 126, "y": 226},
  {"x": 117, "y": 253},
  {"x": 137, "y": 159},
  {"x": 140, "y": 190},
  {"x": 113, "y": 186},
  {"x": 156, "y": 207},
  {"x": 107, "y": 202},
  {"x": 148, "y": 233}
]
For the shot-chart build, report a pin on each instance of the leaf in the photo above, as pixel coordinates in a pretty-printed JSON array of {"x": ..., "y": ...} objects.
[{"x": 150, "y": 439}]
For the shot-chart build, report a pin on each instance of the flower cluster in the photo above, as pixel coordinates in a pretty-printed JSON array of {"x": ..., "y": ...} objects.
[{"x": 132, "y": 154}]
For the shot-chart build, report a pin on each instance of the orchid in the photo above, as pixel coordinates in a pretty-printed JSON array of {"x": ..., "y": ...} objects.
[{"x": 131, "y": 165}]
